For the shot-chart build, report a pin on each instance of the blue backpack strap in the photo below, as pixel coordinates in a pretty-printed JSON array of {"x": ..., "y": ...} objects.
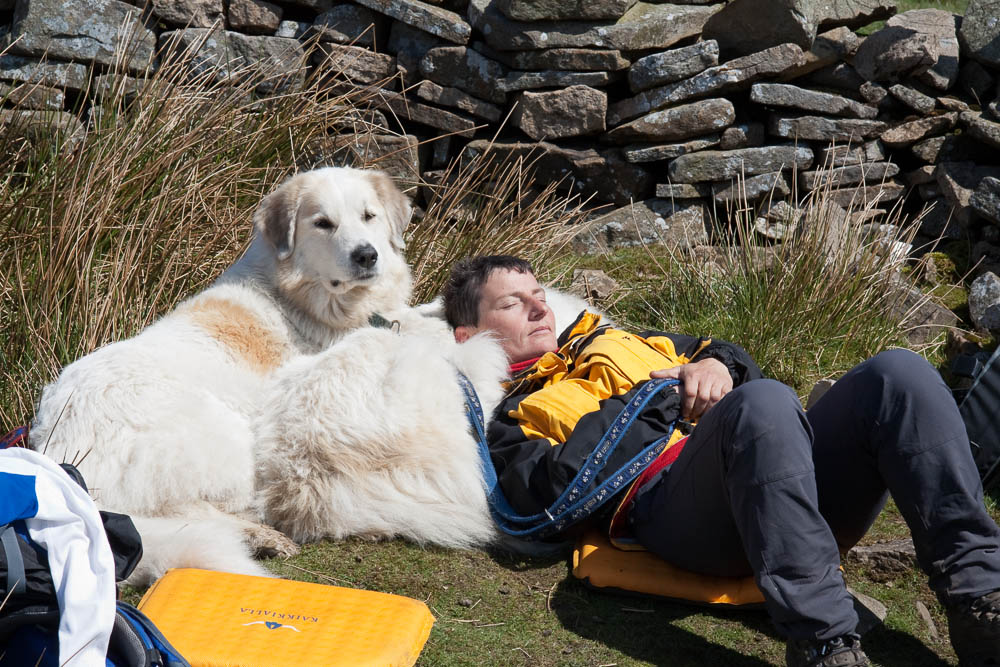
[
  {"x": 137, "y": 642},
  {"x": 573, "y": 505},
  {"x": 15, "y": 562}
]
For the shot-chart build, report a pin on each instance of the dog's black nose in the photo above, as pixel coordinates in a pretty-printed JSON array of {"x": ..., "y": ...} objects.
[{"x": 365, "y": 256}]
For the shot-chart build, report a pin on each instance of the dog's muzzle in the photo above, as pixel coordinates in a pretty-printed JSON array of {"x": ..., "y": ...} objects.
[{"x": 364, "y": 257}]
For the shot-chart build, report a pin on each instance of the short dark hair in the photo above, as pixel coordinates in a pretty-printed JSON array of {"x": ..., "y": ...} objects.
[{"x": 464, "y": 288}]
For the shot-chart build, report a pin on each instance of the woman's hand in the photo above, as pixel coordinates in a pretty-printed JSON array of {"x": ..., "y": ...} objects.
[{"x": 705, "y": 382}]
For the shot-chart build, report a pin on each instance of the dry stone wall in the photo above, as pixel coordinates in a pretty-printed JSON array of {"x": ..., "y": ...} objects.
[{"x": 665, "y": 105}]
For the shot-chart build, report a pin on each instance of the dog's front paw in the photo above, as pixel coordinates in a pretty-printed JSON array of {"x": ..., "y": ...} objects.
[{"x": 266, "y": 542}]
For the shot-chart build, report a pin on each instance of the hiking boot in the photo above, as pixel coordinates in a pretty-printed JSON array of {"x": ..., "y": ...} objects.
[
  {"x": 975, "y": 630},
  {"x": 842, "y": 651}
]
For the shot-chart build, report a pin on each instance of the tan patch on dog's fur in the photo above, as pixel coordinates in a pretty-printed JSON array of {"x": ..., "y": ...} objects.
[{"x": 237, "y": 328}]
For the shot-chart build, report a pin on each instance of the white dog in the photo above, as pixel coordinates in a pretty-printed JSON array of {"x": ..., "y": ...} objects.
[
  {"x": 164, "y": 421},
  {"x": 370, "y": 437}
]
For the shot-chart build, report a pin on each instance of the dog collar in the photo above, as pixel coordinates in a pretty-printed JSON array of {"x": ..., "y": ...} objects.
[{"x": 379, "y": 322}]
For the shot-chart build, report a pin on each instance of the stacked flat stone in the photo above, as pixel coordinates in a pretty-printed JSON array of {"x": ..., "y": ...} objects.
[{"x": 687, "y": 108}]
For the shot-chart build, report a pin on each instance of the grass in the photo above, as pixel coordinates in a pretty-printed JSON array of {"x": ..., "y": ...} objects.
[
  {"x": 811, "y": 307},
  {"x": 496, "y": 608},
  {"x": 111, "y": 229}
]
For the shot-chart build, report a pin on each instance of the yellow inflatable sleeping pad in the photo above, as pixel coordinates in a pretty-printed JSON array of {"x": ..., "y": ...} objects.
[
  {"x": 601, "y": 565},
  {"x": 216, "y": 619}
]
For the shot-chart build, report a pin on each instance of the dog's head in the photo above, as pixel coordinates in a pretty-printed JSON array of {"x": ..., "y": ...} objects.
[{"x": 337, "y": 226}]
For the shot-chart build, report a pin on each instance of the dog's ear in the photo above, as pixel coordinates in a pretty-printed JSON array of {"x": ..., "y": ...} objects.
[
  {"x": 396, "y": 204},
  {"x": 275, "y": 218}
]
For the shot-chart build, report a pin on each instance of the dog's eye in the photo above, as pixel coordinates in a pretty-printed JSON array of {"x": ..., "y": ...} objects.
[
  {"x": 369, "y": 216},
  {"x": 323, "y": 223}
]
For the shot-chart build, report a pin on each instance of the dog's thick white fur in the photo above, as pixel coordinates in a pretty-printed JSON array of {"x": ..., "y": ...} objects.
[
  {"x": 163, "y": 424},
  {"x": 370, "y": 437}
]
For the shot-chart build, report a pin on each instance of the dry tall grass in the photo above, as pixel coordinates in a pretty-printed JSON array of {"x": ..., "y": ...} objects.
[
  {"x": 826, "y": 297},
  {"x": 107, "y": 229},
  {"x": 485, "y": 205}
]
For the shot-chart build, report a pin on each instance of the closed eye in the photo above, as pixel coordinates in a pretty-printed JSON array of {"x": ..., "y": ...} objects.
[{"x": 323, "y": 223}]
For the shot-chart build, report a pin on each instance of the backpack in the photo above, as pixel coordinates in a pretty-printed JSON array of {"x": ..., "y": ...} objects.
[
  {"x": 30, "y": 615},
  {"x": 980, "y": 410}
]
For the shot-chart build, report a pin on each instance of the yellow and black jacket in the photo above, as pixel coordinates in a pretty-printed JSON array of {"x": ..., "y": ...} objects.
[{"x": 556, "y": 411}]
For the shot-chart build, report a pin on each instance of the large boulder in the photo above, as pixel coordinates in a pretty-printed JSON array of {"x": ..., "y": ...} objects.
[
  {"x": 984, "y": 302},
  {"x": 896, "y": 52},
  {"x": 40, "y": 128},
  {"x": 738, "y": 191},
  {"x": 925, "y": 319},
  {"x": 276, "y": 63},
  {"x": 748, "y": 26},
  {"x": 645, "y": 26},
  {"x": 604, "y": 173},
  {"x": 743, "y": 162},
  {"x": 838, "y": 177},
  {"x": 909, "y": 133},
  {"x": 437, "y": 21},
  {"x": 557, "y": 114},
  {"x": 828, "y": 49},
  {"x": 564, "y": 60},
  {"x": 657, "y": 152},
  {"x": 347, "y": 24},
  {"x": 958, "y": 181},
  {"x": 357, "y": 64},
  {"x": 190, "y": 13},
  {"x": 676, "y": 123},
  {"x": 673, "y": 65},
  {"x": 459, "y": 99},
  {"x": 405, "y": 108},
  {"x": 69, "y": 76},
  {"x": 736, "y": 74},
  {"x": 653, "y": 221},
  {"x": 516, "y": 81},
  {"x": 32, "y": 96},
  {"x": 464, "y": 68},
  {"x": 821, "y": 128},
  {"x": 981, "y": 128},
  {"x": 942, "y": 27},
  {"x": 980, "y": 31},
  {"x": 83, "y": 31},
  {"x": 398, "y": 156},
  {"x": 851, "y": 13},
  {"x": 254, "y": 17},
  {"x": 787, "y": 95},
  {"x": 410, "y": 46},
  {"x": 561, "y": 10},
  {"x": 986, "y": 199}
]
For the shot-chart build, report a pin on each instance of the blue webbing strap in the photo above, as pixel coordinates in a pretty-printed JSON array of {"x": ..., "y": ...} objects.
[{"x": 574, "y": 504}]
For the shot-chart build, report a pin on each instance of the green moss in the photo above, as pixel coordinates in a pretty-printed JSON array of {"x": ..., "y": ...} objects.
[{"x": 952, "y": 297}]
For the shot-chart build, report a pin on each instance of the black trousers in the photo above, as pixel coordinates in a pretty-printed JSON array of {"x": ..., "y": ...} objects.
[{"x": 763, "y": 488}]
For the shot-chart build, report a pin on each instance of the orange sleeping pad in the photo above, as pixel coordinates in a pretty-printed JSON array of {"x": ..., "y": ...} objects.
[
  {"x": 601, "y": 565},
  {"x": 216, "y": 619}
]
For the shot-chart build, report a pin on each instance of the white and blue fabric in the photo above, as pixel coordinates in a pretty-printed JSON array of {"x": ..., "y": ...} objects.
[{"x": 62, "y": 518}]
